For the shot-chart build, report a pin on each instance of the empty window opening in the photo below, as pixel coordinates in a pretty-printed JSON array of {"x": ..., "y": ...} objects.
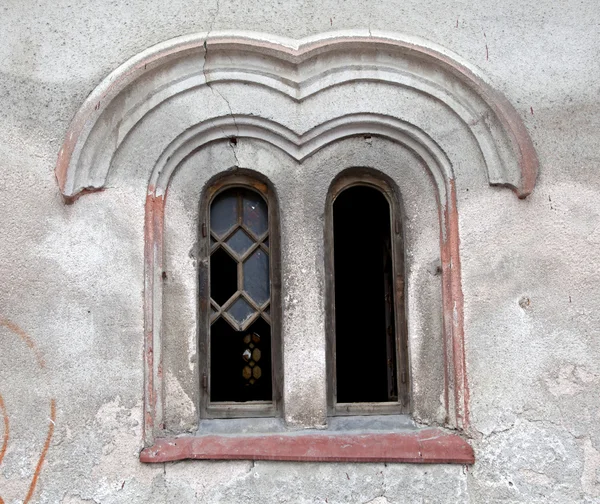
[
  {"x": 365, "y": 332},
  {"x": 240, "y": 296}
]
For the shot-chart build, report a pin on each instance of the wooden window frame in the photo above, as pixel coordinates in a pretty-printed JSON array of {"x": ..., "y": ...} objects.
[
  {"x": 362, "y": 178},
  {"x": 231, "y": 409}
]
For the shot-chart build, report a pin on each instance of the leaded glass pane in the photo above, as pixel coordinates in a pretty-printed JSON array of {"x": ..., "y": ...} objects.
[
  {"x": 255, "y": 216},
  {"x": 240, "y": 310},
  {"x": 223, "y": 212},
  {"x": 239, "y": 224},
  {"x": 256, "y": 276},
  {"x": 240, "y": 242}
]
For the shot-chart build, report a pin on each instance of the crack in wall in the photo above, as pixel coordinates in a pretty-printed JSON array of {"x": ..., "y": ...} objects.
[
  {"x": 77, "y": 498},
  {"x": 543, "y": 421},
  {"x": 232, "y": 139}
]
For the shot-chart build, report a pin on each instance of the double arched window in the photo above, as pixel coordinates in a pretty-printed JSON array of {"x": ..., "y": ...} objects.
[
  {"x": 367, "y": 354},
  {"x": 292, "y": 107}
]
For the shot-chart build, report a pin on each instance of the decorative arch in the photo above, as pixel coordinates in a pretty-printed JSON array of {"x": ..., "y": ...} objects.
[{"x": 297, "y": 70}]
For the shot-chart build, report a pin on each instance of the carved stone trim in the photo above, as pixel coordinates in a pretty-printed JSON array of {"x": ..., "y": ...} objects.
[{"x": 298, "y": 69}]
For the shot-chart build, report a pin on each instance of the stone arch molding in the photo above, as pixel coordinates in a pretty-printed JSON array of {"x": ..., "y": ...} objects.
[{"x": 297, "y": 70}]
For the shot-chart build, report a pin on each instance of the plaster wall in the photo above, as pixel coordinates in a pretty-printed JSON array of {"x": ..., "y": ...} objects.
[{"x": 71, "y": 306}]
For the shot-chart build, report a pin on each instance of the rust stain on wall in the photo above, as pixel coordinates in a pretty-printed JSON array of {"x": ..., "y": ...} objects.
[
  {"x": 38, "y": 468},
  {"x": 5, "y": 434},
  {"x": 15, "y": 329},
  {"x": 11, "y": 326},
  {"x": 6, "y": 428}
]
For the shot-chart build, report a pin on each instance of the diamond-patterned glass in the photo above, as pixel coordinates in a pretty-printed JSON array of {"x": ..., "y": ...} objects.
[
  {"x": 240, "y": 242},
  {"x": 256, "y": 276},
  {"x": 255, "y": 215},
  {"x": 223, "y": 212},
  {"x": 240, "y": 310}
]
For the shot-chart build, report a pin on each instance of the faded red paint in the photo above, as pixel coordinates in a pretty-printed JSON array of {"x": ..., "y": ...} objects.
[
  {"x": 446, "y": 260},
  {"x": 69, "y": 200},
  {"x": 454, "y": 310},
  {"x": 454, "y": 351},
  {"x": 38, "y": 468},
  {"x": 148, "y": 314},
  {"x": 454, "y": 354},
  {"x": 429, "y": 446},
  {"x": 14, "y": 328},
  {"x": 153, "y": 243},
  {"x": 11, "y": 326},
  {"x": 5, "y": 435}
]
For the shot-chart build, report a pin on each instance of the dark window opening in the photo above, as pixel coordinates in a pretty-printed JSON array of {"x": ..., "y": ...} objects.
[
  {"x": 223, "y": 276},
  {"x": 365, "y": 333},
  {"x": 241, "y": 365},
  {"x": 240, "y": 295}
]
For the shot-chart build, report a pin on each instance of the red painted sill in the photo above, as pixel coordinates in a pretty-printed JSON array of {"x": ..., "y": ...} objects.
[{"x": 427, "y": 446}]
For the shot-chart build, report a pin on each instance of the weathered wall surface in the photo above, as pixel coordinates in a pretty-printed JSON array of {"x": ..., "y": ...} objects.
[{"x": 71, "y": 318}]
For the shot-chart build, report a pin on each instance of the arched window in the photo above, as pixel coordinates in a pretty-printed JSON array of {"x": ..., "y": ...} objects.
[
  {"x": 240, "y": 337},
  {"x": 367, "y": 330},
  {"x": 292, "y": 114}
]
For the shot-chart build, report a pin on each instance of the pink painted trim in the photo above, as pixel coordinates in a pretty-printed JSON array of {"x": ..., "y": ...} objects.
[
  {"x": 452, "y": 305},
  {"x": 454, "y": 340},
  {"x": 429, "y": 446},
  {"x": 153, "y": 243},
  {"x": 453, "y": 308}
]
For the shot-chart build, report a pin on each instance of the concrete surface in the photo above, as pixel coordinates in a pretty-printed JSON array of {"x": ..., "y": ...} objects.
[{"x": 71, "y": 323}]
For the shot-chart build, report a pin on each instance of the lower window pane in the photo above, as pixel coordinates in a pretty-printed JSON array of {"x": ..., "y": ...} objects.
[{"x": 240, "y": 362}]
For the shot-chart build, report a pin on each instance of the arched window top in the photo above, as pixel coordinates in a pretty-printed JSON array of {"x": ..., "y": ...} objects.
[{"x": 239, "y": 250}]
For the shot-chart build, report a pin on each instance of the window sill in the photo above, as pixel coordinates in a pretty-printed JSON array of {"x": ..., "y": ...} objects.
[{"x": 419, "y": 446}]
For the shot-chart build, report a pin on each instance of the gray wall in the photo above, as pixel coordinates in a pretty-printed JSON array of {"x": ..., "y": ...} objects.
[{"x": 72, "y": 277}]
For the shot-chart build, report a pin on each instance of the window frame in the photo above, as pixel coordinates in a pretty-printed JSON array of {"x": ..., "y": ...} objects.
[
  {"x": 232, "y": 409},
  {"x": 345, "y": 180}
]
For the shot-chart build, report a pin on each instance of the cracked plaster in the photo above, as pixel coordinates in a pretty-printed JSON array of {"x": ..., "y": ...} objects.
[{"x": 533, "y": 372}]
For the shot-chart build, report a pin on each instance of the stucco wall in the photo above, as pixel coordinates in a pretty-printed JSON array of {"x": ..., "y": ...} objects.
[{"x": 71, "y": 318}]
